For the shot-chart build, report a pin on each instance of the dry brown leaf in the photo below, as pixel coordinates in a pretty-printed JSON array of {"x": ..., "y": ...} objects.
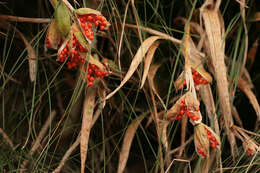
[
  {"x": 245, "y": 87},
  {"x": 148, "y": 60},
  {"x": 217, "y": 47},
  {"x": 252, "y": 53},
  {"x": 208, "y": 100},
  {"x": 31, "y": 56},
  {"x": 151, "y": 74},
  {"x": 88, "y": 108},
  {"x": 128, "y": 138},
  {"x": 162, "y": 134},
  {"x": 136, "y": 61}
]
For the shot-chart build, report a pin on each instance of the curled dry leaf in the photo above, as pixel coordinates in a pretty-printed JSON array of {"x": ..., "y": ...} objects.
[
  {"x": 148, "y": 60},
  {"x": 53, "y": 36},
  {"x": 88, "y": 108},
  {"x": 216, "y": 45},
  {"x": 136, "y": 61},
  {"x": 208, "y": 100},
  {"x": 151, "y": 74},
  {"x": 162, "y": 134},
  {"x": 128, "y": 138},
  {"x": 245, "y": 87},
  {"x": 62, "y": 18}
]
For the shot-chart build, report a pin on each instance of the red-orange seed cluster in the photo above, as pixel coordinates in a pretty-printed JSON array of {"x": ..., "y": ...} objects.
[
  {"x": 201, "y": 152},
  {"x": 94, "y": 71},
  {"x": 47, "y": 41},
  {"x": 72, "y": 55},
  {"x": 185, "y": 111},
  {"x": 213, "y": 141},
  {"x": 197, "y": 78},
  {"x": 87, "y": 21}
]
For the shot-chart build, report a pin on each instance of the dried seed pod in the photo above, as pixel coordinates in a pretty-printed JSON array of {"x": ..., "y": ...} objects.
[
  {"x": 214, "y": 139},
  {"x": 188, "y": 106},
  {"x": 53, "y": 36},
  {"x": 62, "y": 18},
  {"x": 201, "y": 140},
  {"x": 82, "y": 43},
  {"x": 90, "y": 19},
  {"x": 199, "y": 75},
  {"x": 250, "y": 147}
]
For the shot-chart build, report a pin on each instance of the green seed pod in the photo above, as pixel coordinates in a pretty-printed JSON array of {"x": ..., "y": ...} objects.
[
  {"x": 85, "y": 11},
  {"x": 62, "y": 18}
]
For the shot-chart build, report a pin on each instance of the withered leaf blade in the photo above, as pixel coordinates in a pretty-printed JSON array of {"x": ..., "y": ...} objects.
[
  {"x": 128, "y": 138},
  {"x": 88, "y": 109},
  {"x": 216, "y": 45},
  {"x": 136, "y": 61},
  {"x": 62, "y": 18},
  {"x": 148, "y": 60}
]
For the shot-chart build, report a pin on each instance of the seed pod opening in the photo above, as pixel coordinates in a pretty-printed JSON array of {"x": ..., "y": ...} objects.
[{"x": 201, "y": 140}]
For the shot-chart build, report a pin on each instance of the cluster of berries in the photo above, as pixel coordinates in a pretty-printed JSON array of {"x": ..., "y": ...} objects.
[
  {"x": 87, "y": 21},
  {"x": 201, "y": 152},
  {"x": 73, "y": 56},
  {"x": 185, "y": 111},
  {"x": 94, "y": 71},
  {"x": 212, "y": 140},
  {"x": 47, "y": 41},
  {"x": 197, "y": 78}
]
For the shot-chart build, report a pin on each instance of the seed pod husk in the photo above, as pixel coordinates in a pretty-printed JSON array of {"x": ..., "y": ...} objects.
[
  {"x": 62, "y": 17},
  {"x": 53, "y": 36}
]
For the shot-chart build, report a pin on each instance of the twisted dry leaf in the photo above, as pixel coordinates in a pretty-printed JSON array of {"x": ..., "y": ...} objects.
[
  {"x": 245, "y": 87},
  {"x": 129, "y": 135},
  {"x": 148, "y": 60},
  {"x": 136, "y": 61},
  {"x": 88, "y": 108},
  {"x": 217, "y": 46}
]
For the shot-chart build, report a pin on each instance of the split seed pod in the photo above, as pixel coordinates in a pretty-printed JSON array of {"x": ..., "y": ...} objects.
[
  {"x": 53, "y": 36},
  {"x": 250, "y": 147},
  {"x": 89, "y": 20},
  {"x": 214, "y": 139},
  {"x": 62, "y": 18},
  {"x": 80, "y": 37},
  {"x": 188, "y": 106},
  {"x": 200, "y": 76},
  {"x": 201, "y": 140}
]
